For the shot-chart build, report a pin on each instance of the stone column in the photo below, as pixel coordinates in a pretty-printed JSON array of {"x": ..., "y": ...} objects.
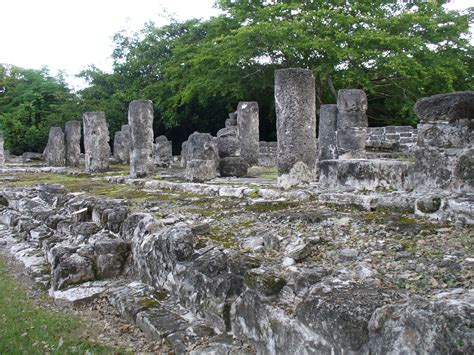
[
  {"x": 445, "y": 148},
  {"x": 126, "y": 142},
  {"x": 140, "y": 119},
  {"x": 327, "y": 140},
  {"x": 118, "y": 147},
  {"x": 351, "y": 124},
  {"x": 163, "y": 150},
  {"x": 72, "y": 137},
  {"x": 247, "y": 122},
  {"x": 55, "y": 151},
  {"x": 295, "y": 103},
  {"x": 96, "y": 142},
  {"x": 201, "y": 156},
  {"x": 2, "y": 152}
]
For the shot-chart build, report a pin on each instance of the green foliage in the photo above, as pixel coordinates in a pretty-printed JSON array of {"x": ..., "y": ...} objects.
[
  {"x": 196, "y": 71},
  {"x": 26, "y": 328},
  {"x": 31, "y": 101}
]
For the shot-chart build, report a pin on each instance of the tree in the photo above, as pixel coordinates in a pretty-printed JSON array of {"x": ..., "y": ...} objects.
[
  {"x": 31, "y": 101},
  {"x": 196, "y": 71}
]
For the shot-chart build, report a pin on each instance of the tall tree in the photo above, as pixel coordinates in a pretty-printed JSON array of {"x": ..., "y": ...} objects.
[{"x": 31, "y": 101}]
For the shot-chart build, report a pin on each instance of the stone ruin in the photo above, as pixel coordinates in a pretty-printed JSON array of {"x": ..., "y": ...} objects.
[
  {"x": 96, "y": 142},
  {"x": 371, "y": 256},
  {"x": 140, "y": 120},
  {"x": 72, "y": 139},
  {"x": 122, "y": 145},
  {"x": 295, "y": 103},
  {"x": 55, "y": 151},
  {"x": 163, "y": 150}
]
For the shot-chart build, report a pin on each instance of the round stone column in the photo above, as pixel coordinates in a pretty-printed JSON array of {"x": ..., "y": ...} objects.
[{"x": 140, "y": 120}]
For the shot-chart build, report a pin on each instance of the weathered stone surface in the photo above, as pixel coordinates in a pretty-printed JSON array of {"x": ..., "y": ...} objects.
[
  {"x": 248, "y": 134},
  {"x": 228, "y": 146},
  {"x": 199, "y": 170},
  {"x": 433, "y": 168},
  {"x": 70, "y": 269},
  {"x": 72, "y": 136},
  {"x": 464, "y": 169},
  {"x": 96, "y": 142},
  {"x": 200, "y": 146},
  {"x": 366, "y": 174},
  {"x": 327, "y": 140},
  {"x": 119, "y": 148},
  {"x": 351, "y": 124},
  {"x": 163, "y": 149},
  {"x": 296, "y": 119},
  {"x": 351, "y": 100},
  {"x": 123, "y": 152},
  {"x": 299, "y": 174},
  {"x": 55, "y": 151},
  {"x": 231, "y": 131},
  {"x": 443, "y": 135},
  {"x": 232, "y": 120},
  {"x": 30, "y": 156},
  {"x": 443, "y": 326},
  {"x": 2, "y": 152},
  {"x": 140, "y": 120},
  {"x": 233, "y": 166},
  {"x": 446, "y": 107}
]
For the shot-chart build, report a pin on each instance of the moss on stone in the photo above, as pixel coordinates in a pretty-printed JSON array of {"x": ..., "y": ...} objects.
[{"x": 148, "y": 302}]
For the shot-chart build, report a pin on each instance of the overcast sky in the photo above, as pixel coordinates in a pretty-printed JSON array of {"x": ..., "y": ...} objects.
[{"x": 70, "y": 34}]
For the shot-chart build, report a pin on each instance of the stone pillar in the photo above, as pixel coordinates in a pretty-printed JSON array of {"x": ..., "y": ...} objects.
[
  {"x": 295, "y": 103},
  {"x": 55, "y": 151},
  {"x": 126, "y": 143},
  {"x": 96, "y": 142},
  {"x": 327, "y": 140},
  {"x": 72, "y": 137},
  {"x": 2, "y": 152},
  {"x": 445, "y": 148},
  {"x": 163, "y": 150},
  {"x": 247, "y": 123},
  {"x": 119, "y": 153},
  {"x": 140, "y": 119},
  {"x": 351, "y": 124},
  {"x": 201, "y": 156}
]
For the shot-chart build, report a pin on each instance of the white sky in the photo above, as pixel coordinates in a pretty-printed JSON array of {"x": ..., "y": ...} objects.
[{"x": 69, "y": 34}]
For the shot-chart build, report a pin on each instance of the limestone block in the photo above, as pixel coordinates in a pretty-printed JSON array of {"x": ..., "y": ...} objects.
[
  {"x": 327, "y": 139},
  {"x": 72, "y": 136},
  {"x": 140, "y": 120},
  {"x": 55, "y": 151},
  {"x": 446, "y": 107},
  {"x": 233, "y": 166},
  {"x": 248, "y": 134},
  {"x": 296, "y": 118},
  {"x": 199, "y": 170},
  {"x": 96, "y": 142}
]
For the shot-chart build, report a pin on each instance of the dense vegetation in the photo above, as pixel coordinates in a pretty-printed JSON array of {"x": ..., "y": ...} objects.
[{"x": 196, "y": 71}]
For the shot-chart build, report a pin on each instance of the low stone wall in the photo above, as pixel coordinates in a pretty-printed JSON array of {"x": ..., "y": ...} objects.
[{"x": 398, "y": 137}]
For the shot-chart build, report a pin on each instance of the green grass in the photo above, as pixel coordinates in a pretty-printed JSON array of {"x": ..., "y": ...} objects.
[{"x": 26, "y": 328}]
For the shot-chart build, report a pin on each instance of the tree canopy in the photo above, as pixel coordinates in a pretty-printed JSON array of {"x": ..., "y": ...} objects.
[
  {"x": 31, "y": 101},
  {"x": 197, "y": 71}
]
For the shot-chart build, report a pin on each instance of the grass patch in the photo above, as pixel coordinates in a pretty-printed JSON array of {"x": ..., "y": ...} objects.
[{"x": 26, "y": 328}]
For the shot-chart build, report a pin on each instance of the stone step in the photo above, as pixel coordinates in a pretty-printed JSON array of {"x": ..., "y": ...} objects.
[{"x": 160, "y": 317}]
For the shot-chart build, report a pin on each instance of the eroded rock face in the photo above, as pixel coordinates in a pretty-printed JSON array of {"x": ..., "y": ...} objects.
[
  {"x": 296, "y": 119},
  {"x": 140, "y": 120},
  {"x": 248, "y": 134},
  {"x": 55, "y": 151},
  {"x": 96, "y": 142},
  {"x": 163, "y": 150},
  {"x": 72, "y": 136},
  {"x": 200, "y": 154},
  {"x": 449, "y": 107},
  {"x": 327, "y": 140},
  {"x": 445, "y": 142},
  {"x": 351, "y": 124},
  {"x": 233, "y": 166},
  {"x": 423, "y": 327}
]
